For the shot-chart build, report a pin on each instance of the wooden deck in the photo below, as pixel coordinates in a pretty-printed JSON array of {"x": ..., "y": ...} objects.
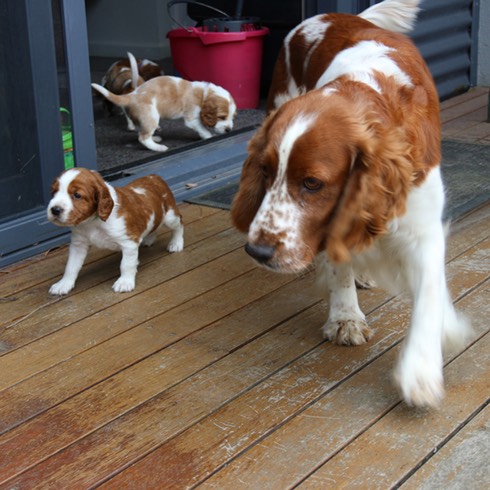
[{"x": 213, "y": 373}]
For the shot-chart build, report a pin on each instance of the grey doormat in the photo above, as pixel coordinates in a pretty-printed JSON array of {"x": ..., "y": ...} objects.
[
  {"x": 465, "y": 170},
  {"x": 218, "y": 198},
  {"x": 118, "y": 148},
  {"x": 466, "y": 175}
]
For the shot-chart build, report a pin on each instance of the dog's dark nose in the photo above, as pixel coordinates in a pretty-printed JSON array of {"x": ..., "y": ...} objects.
[
  {"x": 261, "y": 253},
  {"x": 228, "y": 129},
  {"x": 56, "y": 210}
]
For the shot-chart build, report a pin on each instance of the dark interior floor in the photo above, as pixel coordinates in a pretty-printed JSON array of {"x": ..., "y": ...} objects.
[{"x": 118, "y": 148}]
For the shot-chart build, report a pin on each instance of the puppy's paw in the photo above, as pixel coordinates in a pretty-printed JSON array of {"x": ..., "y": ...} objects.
[
  {"x": 151, "y": 144},
  {"x": 124, "y": 285},
  {"x": 149, "y": 240},
  {"x": 61, "y": 287},
  {"x": 420, "y": 381},
  {"x": 347, "y": 332},
  {"x": 176, "y": 245}
]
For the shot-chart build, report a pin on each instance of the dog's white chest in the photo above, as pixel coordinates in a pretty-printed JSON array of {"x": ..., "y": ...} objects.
[{"x": 101, "y": 235}]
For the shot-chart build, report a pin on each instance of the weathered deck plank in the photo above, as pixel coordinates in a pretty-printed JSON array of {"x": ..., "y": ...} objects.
[
  {"x": 406, "y": 437},
  {"x": 328, "y": 427},
  {"x": 217, "y": 440},
  {"x": 214, "y": 371},
  {"x": 461, "y": 463}
]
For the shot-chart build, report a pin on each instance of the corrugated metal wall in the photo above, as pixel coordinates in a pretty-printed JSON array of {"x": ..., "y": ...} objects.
[{"x": 443, "y": 35}]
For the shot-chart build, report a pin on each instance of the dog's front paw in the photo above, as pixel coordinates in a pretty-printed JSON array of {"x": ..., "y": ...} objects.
[
  {"x": 365, "y": 282},
  {"x": 176, "y": 245},
  {"x": 347, "y": 332},
  {"x": 61, "y": 287},
  {"x": 123, "y": 285},
  {"x": 205, "y": 134},
  {"x": 420, "y": 380}
]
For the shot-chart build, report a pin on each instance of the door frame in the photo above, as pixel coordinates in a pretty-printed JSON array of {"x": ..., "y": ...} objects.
[{"x": 31, "y": 232}]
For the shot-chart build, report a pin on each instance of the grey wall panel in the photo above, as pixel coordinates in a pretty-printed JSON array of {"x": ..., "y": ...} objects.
[{"x": 443, "y": 35}]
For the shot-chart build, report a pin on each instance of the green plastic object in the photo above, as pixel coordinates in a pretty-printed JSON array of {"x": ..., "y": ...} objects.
[{"x": 67, "y": 138}]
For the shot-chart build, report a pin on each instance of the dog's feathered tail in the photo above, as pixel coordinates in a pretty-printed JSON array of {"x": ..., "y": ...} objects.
[
  {"x": 119, "y": 100},
  {"x": 394, "y": 15},
  {"x": 134, "y": 70}
]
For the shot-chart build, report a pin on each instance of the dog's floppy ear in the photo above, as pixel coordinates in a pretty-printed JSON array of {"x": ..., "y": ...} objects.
[
  {"x": 375, "y": 192},
  {"x": 252, "y": 188},
  {"x": 209, "y": 111},
  {"x": 249, "y": 196},
  {"x": 103, "y": 198}
]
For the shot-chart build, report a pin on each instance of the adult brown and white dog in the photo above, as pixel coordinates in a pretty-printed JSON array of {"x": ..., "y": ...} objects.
[
  {"x": 205, "y": 107},
  {"x": 124, "y": 75},
  {"x": 111, "y": 218},
  {"x": 346, "y": 171}
]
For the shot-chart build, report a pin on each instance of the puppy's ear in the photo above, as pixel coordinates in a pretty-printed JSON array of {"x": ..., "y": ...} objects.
[
  {"x": 252, "y": 188},
  {"x": 375, "y": 192},
  {"x": 55, "y": 186},
  {"x": 103, "y": 198},
  {"x": 209, "y": 111}
]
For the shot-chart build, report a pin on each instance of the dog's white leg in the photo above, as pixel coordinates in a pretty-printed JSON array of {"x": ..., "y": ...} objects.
[
  {"x": 346, "y": 323},
  {"x": 174, "y": 222},
  {"x": 146, "y": 140},
  {"x": 419, "y": 371},
  {"x": 129, "y": 267},
  {"x": 455, "y": 327},
  {"x": 76, "y": 257},
  {"x": 129, "y": 121},
  {"x": 434, "y": 321},
  {"x": 148, "y": 125},
  {"x": 196, "y": 125}
]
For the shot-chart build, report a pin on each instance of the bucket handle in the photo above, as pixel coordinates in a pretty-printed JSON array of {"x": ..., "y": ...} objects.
[{"x": 173, "y": 2}]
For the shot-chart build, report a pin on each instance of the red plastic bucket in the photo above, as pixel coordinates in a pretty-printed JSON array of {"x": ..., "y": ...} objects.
[{"x": 231, "y": 60}]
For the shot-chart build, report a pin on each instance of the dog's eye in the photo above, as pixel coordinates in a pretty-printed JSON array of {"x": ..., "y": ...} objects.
[
  {"x": 312, "y": 184},
  {"x": 76, "y": 195}
]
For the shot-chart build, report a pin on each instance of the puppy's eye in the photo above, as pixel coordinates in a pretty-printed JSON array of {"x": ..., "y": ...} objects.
[
  {"x": 76, "y": 195},
  {"x": 312, "y": 184}
]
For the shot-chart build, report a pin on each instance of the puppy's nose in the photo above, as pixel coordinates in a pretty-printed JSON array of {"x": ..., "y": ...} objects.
[
  {"x": 227, "y": 129},
  {"x": 261, "y": 253},
  {"x": 56, "y": 210}
]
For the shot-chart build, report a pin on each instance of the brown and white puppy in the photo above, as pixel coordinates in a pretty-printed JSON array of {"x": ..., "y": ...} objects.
[
  {"x": 111, "y": 218},
  {"x": 125, "y": 75},
  {"x": 205, "y": 107}
]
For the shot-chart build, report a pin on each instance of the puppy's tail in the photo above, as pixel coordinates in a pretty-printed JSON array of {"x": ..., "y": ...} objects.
[
  {"x": 119, "y": 100},
  {"x": 394, "y": 15},
  {"x": 134, "y": 70}
]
